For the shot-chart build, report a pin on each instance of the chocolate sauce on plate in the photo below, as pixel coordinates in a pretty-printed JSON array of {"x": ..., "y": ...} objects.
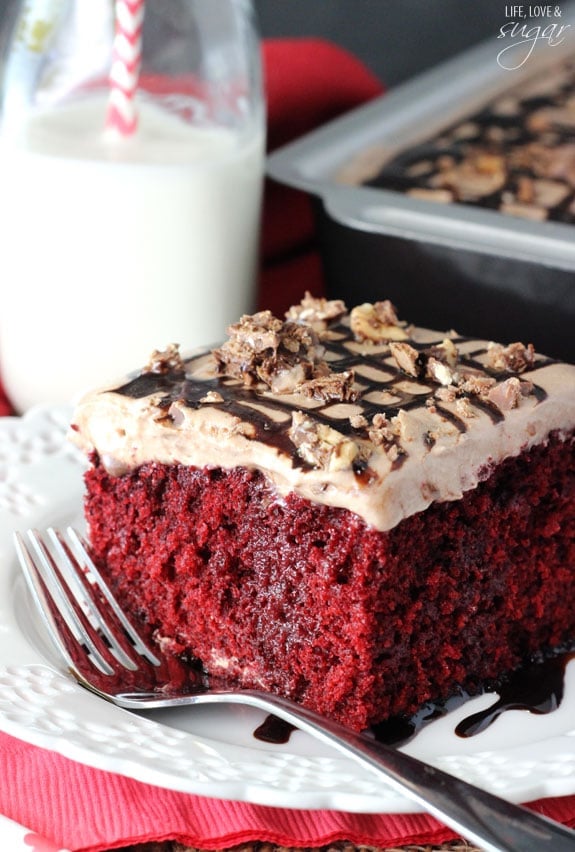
[{"x": 537, "y": 687}]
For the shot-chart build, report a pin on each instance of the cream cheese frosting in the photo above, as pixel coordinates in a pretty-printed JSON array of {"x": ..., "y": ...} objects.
[{"x": 355, "y": 410}]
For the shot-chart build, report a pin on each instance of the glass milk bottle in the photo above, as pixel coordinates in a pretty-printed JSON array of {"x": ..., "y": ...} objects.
[{"x": 131, "y": 162}]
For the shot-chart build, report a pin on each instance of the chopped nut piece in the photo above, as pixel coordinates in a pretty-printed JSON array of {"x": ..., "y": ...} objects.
[
  {"x": 446, "y": 352},
  {"x": 162, "y": 361},
  {"x": 288, "y": 379},
  {"x": 320, "y": 445},
  {"x": 376, "y": 322},
  {"x": 464, "y": 408},
  {"x": 212, "y": 397},
  {"x": 506, "y": 395},
  {"x": 514, "y": 358},
  {"x": 381, "y": 431},
  {"x": 393, "y": 452},
  {"x": 439, "y": 372},
  {"x": 475, "y": 384},
  {"x": 446, "y": 394},
  {"x": 317, "y": 312},
  {"x": 358, "y": 421},
  {"x": 407, "y": 358}
]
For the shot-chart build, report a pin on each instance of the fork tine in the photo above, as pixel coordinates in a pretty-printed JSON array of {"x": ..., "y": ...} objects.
[
  {"x": 80, "y": 549},
  {"x": 77, "y": 575},
  {"x": 61, "y": 616}
]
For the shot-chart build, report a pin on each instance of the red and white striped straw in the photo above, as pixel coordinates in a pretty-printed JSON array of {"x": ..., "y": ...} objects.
[{"x": 122, "y": 115}]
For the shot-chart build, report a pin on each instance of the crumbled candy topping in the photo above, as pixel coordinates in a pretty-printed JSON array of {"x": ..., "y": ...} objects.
[
  {"x": 514, "y": 358},
  {"x": 334, "y": 386},
  {"x": 262, "y": 348},
  {"x": 441, "y": 365},
  {"x": 376, "y": 323},
  {"x": 380, "y": 432},
  {"x": 436, "y": 363},
  {"x": 320, "y": 445},
  {"x": 317, "y": 312},
  {"x": 294, "y": 357},
  {"x": 165, "y": 361},
  {"x": 479, "y": 175},
  {"x": 407, "y": 358},
  {"x": 507, "y": 394},
  {"x": 286, "y": 356}
]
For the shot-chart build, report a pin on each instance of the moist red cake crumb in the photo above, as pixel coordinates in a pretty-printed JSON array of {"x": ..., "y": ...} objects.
[{"x": 310, "y": 601}]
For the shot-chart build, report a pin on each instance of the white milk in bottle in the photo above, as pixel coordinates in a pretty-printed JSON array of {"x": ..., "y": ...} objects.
[{"x": 113, "y": 247}]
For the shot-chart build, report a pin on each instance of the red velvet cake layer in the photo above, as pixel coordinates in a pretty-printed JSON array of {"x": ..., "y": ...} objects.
[{"x": 309, "y": 601}]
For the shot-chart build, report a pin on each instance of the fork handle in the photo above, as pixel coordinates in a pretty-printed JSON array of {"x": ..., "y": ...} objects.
[{"x": 495, "y": 824}]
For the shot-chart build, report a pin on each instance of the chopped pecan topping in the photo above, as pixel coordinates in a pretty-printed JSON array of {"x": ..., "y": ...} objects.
[
  {"x": 376, "y": 323},
  {"x": 163, "y": 361},
  {"x": 320, "y": 445},
  {"x": 317, "y": 312},
  {"x": 514, "y": 358}
]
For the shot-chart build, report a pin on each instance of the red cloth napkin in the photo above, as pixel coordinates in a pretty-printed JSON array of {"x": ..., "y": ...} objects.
[
  {"x": 79, "y": 808},
  {"x": 85, "y": 809}
]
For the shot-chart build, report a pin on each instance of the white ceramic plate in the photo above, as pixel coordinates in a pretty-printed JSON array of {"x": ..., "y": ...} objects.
[{"x": 207, "y": 750}]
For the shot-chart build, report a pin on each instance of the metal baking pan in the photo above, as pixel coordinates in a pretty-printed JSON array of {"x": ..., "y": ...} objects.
[{"x": 444, "y": 265}]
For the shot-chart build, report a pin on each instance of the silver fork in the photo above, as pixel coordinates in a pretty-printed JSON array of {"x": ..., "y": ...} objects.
[{"x": 107, "y": 655}]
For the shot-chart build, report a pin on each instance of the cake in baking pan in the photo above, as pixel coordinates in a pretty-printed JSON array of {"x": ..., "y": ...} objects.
[
  {"x": 340, "y": 507},
  {"x": 516, "y": 155}
]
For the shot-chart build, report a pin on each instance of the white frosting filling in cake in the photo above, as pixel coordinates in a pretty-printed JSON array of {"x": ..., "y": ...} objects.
[{"x": 406, "y": 435}]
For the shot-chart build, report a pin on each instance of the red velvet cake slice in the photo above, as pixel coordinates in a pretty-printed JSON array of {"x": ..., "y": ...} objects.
[{"x": 353, "y": 512}]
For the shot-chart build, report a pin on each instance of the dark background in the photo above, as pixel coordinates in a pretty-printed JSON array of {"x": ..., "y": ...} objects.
[{"x": 396, "y": 39}]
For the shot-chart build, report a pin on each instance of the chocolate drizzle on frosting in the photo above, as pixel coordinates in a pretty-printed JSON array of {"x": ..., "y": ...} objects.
[{"x": 381, "y": 389}]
